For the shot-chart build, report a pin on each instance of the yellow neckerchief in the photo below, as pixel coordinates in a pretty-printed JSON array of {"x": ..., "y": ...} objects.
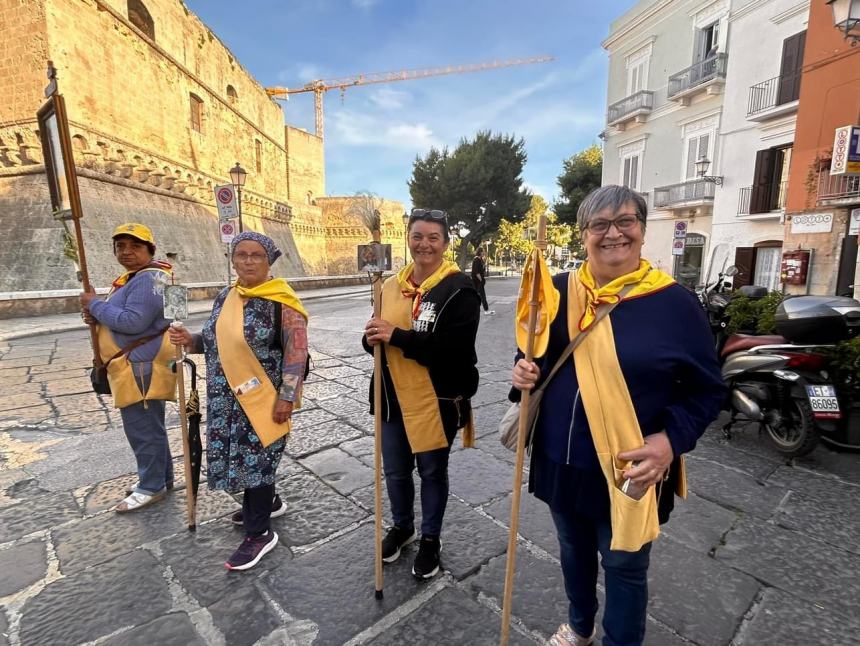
[
  {"x": 646, "y": 279},
  {"x": 415, "y": 393},
  {"x": 274, "y": 289},
  {"x": 155, "y": 265},
  {"x": 613, "y": 423},
  {"x": 409, "y": 290}
]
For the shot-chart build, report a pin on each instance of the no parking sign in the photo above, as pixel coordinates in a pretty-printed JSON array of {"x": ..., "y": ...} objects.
[
  {"x": 228, "y": 231},
  {"x": 225, "y": 200}
]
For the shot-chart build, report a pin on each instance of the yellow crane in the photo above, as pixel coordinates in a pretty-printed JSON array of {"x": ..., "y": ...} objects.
[{"x": 319, "y": 87}]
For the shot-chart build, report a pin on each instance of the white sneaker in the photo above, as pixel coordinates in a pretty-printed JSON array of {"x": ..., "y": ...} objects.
[{"x": 489, "y": 312}]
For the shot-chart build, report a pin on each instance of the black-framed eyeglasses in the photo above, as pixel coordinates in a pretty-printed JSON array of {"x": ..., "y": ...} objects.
[
  {"x": 428, "y": 214},
  {"x": 623, "y": 223}
]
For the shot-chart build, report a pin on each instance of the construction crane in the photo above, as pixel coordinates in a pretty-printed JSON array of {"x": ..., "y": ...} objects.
[{"x": 319, "y": 87}]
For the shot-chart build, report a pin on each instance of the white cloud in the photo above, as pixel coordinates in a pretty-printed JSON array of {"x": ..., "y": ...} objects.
[
  {"x": 354, "y": 129},
  {"x": 389, "y": 98},
  {"x": 300, "y": 73}
]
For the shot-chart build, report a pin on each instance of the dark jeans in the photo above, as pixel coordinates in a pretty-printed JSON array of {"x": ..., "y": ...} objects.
[
  {"x": 482, "y": 292},
  {"x": 257, "y": 509},
  {"x": 626, "y": 573},
  {"x": 144, "y": 429},
  {"x": 398, "y": 465}
]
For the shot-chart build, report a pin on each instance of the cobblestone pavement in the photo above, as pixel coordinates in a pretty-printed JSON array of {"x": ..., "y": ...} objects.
[{"x": 762, "y": 552}]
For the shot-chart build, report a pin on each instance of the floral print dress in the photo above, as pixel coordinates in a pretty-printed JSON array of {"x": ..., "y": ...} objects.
[{"x": 236, "y": 460}]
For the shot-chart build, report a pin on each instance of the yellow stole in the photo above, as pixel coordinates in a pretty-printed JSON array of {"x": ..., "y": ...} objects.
[
  {"x": 612, "y": 419},
  {"x": 415, "y": 393},
  {"x": 245, "y": 375},
  {"x": 274, "y": 289}
]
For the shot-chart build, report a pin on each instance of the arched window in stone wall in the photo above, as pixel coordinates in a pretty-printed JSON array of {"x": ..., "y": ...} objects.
[
  {"x": 139, "y": 16},
  {"x": 231, "y": 94},
  {"x": 196, "y": 112}
]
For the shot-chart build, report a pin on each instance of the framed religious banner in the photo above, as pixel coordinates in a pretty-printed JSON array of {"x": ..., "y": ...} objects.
[{"x": 59, "y": 159}]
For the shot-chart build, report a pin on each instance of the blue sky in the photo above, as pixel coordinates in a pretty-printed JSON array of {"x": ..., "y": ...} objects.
[{"x": 374, "y": 133}]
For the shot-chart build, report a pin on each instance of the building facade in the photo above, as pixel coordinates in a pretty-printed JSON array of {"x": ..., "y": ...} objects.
[{"x": 159, "y": 111}]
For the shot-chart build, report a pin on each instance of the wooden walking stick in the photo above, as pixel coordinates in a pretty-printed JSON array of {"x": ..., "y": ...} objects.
[{"x": 540, "y": 245}]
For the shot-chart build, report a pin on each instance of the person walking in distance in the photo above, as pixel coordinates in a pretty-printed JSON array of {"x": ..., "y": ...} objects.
[{"x": 479, "y": 278}]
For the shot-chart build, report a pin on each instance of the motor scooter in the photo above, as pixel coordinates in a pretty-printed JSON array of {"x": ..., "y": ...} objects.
[{"x": 781, "y": 381}]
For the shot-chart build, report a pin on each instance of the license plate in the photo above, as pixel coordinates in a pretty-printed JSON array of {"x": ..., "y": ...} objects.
[{"x": 822, "y": 399}]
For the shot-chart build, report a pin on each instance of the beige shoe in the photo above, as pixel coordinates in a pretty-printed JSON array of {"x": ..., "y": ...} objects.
[
  {"x": 565, "y": 636},
  {"x": 137, "y": 501}
]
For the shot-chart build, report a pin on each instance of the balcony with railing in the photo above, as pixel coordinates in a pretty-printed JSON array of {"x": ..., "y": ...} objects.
[
  {"x": 838, "y": 190},
  {"x": 635, "y": 107},
  {"x": 708, "y": 76},
  {"x": 768, "y": 201},
  {"x": 693, "y": 193},
  {"x": 774, "y": 97}
]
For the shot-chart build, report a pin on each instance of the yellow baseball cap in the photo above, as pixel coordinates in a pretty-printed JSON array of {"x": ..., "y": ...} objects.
[{"x": 134, "y": 230}]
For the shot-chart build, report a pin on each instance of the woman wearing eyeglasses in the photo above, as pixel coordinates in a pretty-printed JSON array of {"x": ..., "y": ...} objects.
[
  {"x": 256, "y": 350},
  {"x": 637, "y": 393},
  {"x": 428, "y": 325}
]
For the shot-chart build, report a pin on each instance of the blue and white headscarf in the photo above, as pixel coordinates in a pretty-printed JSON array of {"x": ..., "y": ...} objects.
[{"x": 268, "y": 244}]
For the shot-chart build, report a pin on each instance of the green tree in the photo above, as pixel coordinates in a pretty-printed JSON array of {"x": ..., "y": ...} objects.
[
  {"x": 478, "y": 184},
  {"x": 514, "y": 238},
  {"x": 581, "y": 175}
]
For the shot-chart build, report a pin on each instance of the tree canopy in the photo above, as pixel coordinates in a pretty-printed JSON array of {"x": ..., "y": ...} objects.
[
  {"x": 514, "y": 238},
  {"x": 478, "y": 184},
  {"x": 581, "y": 175}
]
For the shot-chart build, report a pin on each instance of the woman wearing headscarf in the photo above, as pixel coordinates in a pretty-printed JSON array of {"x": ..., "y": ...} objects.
[
  {"x": 428, "y": 324},
  {"x": 132, "y": 342},
  {"x": 614, "y": 421},
  {"x": 255, "y": 343}
]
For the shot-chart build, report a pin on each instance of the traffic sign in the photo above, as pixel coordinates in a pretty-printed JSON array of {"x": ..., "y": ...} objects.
[
  {"x": 225, "y": 200},
  {"x": 681, "y": 229},
  {"x": 678, "y": 246},
  {"x": 228, "y": 231}
]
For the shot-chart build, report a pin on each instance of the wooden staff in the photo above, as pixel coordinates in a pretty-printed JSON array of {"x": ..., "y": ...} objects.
[
  {"x": 540, "y": 245},
  {"x": 190, "y": 499},
  {"x": 377, "y": 428}
]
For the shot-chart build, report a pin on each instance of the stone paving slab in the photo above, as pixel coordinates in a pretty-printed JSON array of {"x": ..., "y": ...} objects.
[
  {"x": 339, "y": 470},
  {"x": 468, "y": 540},
  {"x": 698, "y": 523},
  {"x": 805, "y": 567},
  {"x": 733, "y": 489},
  {"x": 535, "y": 520},
  {"x": 29, "y": 415},
  {"x": 831, "y": 520},
  {"x": 477, "y": 477},
  {"x": 243, "y": 615},
  {"x": 96, "y": 602},
  {"x": 37, "y": 514},
  {"x": 491, "y": 392},
  {"x": 784, "y": 619},
  {"x": 22, "y": 400},
  {"x": 174, "y": 628},
  {"x": 22, "y": 565},
  {"x": 345, "y": 407},
  {"x": 308, "y": 416},
  {"x": 465, "y": 622},
  {"x": 706, "y": 603},
  {"x": 14, "y": 388},
  {"x": 4, "y": 628},
  {"x": 487, "y": 418},
  {"x": 306, "y": 440},
  {"x": 321, "y": 390}
]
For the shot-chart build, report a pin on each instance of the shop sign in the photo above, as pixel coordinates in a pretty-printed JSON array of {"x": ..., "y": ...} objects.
[
  {"x": 846, "y": 151},
  {"x": 695, "y": 240},
  {"x": 812, "y": 223}
]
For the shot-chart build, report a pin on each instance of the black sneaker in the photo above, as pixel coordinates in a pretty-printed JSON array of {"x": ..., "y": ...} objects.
[
  {"x": 278, "y": 509},
  {"x": 426, "y": 564},
  {"x": 252, "y": 549},
  {"x": 394, "y": 541}
]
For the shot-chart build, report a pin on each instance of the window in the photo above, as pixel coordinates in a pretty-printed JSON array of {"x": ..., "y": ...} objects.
[
  {"x": 231, "y": 94},
  {"x": 258, "y": 155},
  {"x": 770, "y": 179},
  {"x": 698, "y": 146},
  {"x": 707, "y": 42},
  {"x": 637, "y": 75},
  {"x": 790, "y": 68},
  {"x": 139, "y": 16},
  {"x": 767, "y": 261},
  {"x": 196, "y": 112},
  {"x": 630, "y": 171}
]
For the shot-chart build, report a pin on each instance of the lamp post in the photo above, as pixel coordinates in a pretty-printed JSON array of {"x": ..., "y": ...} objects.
[
  {"x": 702, "y": 168},
  {"x": 846, "y": 18},
  {"x": 405, "y": 237},
  {"x": 237, "y": 177}
]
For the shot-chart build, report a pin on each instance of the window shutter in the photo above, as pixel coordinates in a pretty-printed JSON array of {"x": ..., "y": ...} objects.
[
  {"x": 762, "y": 181},
  {"x": 692, "y": 147},
  {"x": 744, "y": 262},
  {"x": 790, "y": 68},
  {"x": 634, "y": 173}
]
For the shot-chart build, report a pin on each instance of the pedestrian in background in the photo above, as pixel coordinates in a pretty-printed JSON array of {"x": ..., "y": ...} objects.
[
  {"x": 428, "y": 324},
  {"x": 132, "y": 342},
  {"x": 479, "y": 279},
  {"x": 615, "y": 420},
  {"x": 256, "y": 348}
]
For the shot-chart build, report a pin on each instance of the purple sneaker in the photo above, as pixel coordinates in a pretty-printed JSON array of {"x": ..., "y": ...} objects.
[{"x": 252, "y": 549}]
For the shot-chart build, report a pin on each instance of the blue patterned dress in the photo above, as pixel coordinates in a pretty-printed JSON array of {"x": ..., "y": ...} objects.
[{"x": 236, "y": 460}]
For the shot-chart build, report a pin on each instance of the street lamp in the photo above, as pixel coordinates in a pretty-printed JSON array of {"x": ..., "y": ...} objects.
[
  {"x": 405, "y": 236},
  {"x": 238, "y": 176},
  {"x": 702, "y": 169},
  {"x": 846, "y": 18}
]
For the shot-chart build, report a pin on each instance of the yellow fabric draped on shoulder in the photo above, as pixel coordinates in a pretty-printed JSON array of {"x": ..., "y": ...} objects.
[
  {"x": 547, "y": 298},
  {"x": 645, "y": 280},
  {"x": 445, "y": 269},
  {"x": 276, "y": 289}
]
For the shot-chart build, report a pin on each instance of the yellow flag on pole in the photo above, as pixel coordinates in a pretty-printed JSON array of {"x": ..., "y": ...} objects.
[{"x": 547, "y": 301}]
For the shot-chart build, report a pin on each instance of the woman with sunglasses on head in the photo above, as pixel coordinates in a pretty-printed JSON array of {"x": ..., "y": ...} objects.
[
  {"x": 636, "y": 394},
  {"x": 427, "y": 327}
]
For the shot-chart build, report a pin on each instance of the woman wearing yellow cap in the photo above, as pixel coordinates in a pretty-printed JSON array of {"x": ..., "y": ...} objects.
[
  {"x": 132, "y": 341},
  {"x": 429, "y": 321},
  {"x": 614, "y": 420},
  {"x": 256, "y": 353}
]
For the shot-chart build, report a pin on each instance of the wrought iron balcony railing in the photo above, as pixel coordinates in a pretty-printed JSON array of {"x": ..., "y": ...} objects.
[
  {"x": 642, "y": 102},
  {"x": 695, "y": 191},
  {"x": 698, "y": 74},
  {"x": 774, "y": 92},
  {"x": 772, "y": 198},
  {"x": 838, "y": 188}
]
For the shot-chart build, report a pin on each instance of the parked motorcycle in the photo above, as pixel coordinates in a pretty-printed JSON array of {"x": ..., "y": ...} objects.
[{"x": 781, "y": 381}]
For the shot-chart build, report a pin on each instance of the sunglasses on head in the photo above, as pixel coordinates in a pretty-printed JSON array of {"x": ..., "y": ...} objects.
[{"x": 428, "y": 214}]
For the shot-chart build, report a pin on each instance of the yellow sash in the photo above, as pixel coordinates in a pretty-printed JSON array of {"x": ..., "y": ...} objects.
[
  {"x": 245, "y": 375},
  {"x": 125, "y": 386},
  {"x": 274, "y": 289},
  {"x": 415, "y": 392},
  {"x": 613, "y": 423}
]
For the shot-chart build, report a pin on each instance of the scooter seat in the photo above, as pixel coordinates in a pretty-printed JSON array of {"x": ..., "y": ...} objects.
[{"x": 738, "y": 342}]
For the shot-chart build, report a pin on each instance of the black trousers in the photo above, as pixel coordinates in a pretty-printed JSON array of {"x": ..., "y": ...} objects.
[
  {"x": 483, "y": 294},
  {"x": 257, "y": 509}
]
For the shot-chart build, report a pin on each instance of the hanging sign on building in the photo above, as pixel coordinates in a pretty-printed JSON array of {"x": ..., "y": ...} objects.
[
  {"x": 812, "y": 223},
  {"x": 846, "y": 151},
  {"x": 680, "y": 229},
  {"x": 225, "y": 200},
  {"x": 678, "y": 246}
]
